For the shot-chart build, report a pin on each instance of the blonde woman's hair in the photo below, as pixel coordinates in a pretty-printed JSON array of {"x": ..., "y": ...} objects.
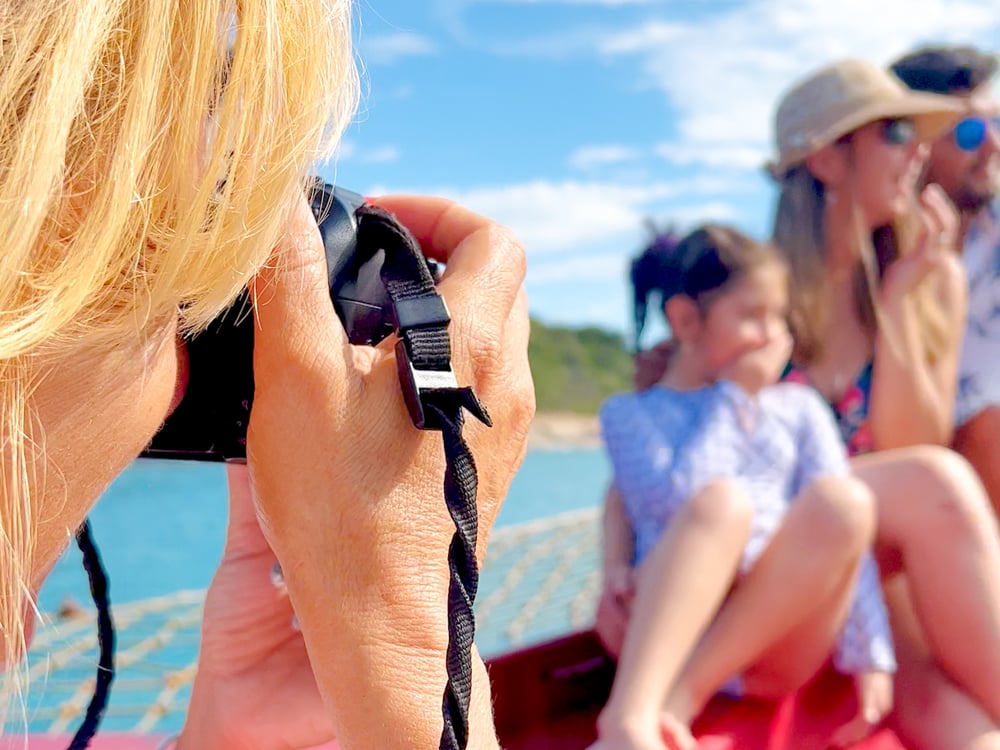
[
  {"x": 800, "y": 234},
  {"x": 149, "y": 152}
]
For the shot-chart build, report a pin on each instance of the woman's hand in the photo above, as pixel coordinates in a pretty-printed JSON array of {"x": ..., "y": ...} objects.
[
  {"x": 351, "y": 495},
  {"x": 935, "y": 243},
  {"x": 254, "y": 689},
  {"x": 913, "y": 393}
]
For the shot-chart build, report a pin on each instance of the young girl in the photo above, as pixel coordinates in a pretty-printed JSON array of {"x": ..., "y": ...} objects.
[{"x": 710, "y": 462}]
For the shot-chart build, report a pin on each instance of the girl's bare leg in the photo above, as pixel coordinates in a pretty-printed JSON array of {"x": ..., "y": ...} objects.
[
  {"x": 805, "y": 577},
  {"x": 931, "y": 711},
  {"x": 935, "y": 519},
  {"x": 681, "y": 585}
]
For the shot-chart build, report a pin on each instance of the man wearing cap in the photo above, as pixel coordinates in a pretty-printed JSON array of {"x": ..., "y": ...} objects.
[{"x": 965, "y": 162}]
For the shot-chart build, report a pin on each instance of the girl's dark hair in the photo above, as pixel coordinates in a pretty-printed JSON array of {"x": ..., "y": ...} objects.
[{"x": 699, "y": 266}]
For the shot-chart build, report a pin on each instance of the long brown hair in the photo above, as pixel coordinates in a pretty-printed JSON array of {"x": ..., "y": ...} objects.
[{"x": 800, "y": 235}]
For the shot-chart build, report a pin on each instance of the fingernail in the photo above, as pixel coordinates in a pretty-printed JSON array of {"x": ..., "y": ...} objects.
[{"x": 278, "y": 578}]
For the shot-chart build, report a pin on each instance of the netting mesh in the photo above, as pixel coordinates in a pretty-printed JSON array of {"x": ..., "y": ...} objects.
[{"x": 541, "y": 579}]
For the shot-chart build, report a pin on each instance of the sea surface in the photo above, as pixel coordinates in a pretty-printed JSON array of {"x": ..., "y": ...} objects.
[
  {"x": 160, "y": 530},
  {"x": 160, "y": 526}
]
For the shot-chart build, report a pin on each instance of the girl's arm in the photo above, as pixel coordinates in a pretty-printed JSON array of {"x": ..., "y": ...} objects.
[
  {"x": 617, "y": 541},
  {"x": 618, "y": 580}
]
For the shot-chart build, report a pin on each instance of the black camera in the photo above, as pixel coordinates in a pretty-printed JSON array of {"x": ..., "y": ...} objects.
[{"x": 210, "y": 424}]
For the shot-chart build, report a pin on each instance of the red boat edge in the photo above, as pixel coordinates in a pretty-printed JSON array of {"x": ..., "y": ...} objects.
[{"x": 547, "y": 697}]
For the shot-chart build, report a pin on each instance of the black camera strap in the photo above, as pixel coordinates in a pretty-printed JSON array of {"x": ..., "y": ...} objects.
[
  {"x": 98, "y": 580},
  {"x": 436, "y": 402}
]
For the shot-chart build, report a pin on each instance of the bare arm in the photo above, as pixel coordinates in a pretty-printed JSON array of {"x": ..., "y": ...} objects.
[
  {"x": 618, "y": 579},
  {"x": 618, "y": 542},
  {"x": 913, "y": 399}
]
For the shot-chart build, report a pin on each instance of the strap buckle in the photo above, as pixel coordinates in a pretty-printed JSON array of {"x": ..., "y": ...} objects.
[{"x": 422, "y": 387}]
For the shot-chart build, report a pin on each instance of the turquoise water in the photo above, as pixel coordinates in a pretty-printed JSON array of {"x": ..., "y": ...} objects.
[{"x": 160, "y": 526}]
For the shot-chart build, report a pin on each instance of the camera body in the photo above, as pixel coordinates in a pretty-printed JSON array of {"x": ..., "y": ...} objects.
[{"x": 210, "y": 424}]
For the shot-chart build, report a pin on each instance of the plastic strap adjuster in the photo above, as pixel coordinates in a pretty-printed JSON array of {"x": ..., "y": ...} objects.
[
  {"x": 425, "y": 311},
  {"x": 419, "y": 386}
]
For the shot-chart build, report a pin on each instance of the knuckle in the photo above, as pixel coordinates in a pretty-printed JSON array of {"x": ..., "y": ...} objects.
[
  {"x": 510, "y": 248},
  {"x": 486, "y": 355}
]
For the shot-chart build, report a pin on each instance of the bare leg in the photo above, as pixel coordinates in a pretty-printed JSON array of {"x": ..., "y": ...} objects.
[
  {"x": 681, "y": 585},
  {"x": 934, "y": 517},
  {"x": 931, "y": 711},
  {"x": 806, "y": 574},
  {"x": 979, "y": 441}
]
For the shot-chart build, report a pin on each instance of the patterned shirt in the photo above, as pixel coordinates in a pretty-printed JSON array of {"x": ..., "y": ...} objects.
[
  {"x": 978, "y": 373},
  {"x": 666, "y": 445}
]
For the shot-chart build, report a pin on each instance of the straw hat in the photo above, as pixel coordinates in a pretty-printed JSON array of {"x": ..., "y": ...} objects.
[{"x": 840, "y": 98}]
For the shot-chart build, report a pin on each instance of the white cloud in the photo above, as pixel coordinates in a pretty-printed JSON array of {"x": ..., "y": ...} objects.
[
  {"x": 716, "y": 155},
  {"x": 589, "y": 268},
  {"x": 609, "y": 3},
  {"x": 382, "y": 155},
  {"x": 562, "y": 217},
  {"x": 387, "y": 49},
  {"x": 685, "y": 217},
  {"x": 348, "y": 150},
  {"x": 723, "y": 75},
  {"x": 588, "y": 157},
  {"x": 553, "y": 217}
]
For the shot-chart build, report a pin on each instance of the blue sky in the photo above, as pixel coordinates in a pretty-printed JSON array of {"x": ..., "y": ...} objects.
[{"x": 571, "y": 121}]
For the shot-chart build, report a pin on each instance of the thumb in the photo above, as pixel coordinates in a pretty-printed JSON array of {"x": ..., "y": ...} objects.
[
  {"x": 243, "y": 534},
  {"x": 291, "y": 294}
]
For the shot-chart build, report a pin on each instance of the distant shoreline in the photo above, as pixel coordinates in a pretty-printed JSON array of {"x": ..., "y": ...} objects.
[{"x": 564, "y": 431}]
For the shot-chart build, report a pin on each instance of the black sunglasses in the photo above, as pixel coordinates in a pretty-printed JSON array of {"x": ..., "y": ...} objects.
[{"x": 898, "y": 131}]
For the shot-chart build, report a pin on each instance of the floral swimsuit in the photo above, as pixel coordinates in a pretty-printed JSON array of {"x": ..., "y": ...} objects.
[{"x": 851, "y": 410}]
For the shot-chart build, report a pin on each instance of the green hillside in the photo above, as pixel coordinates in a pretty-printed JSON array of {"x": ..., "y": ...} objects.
[{"x": 575, "y": 369}]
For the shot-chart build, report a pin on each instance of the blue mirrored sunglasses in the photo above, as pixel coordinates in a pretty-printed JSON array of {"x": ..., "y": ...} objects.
[{"x": 971, "y": 132}]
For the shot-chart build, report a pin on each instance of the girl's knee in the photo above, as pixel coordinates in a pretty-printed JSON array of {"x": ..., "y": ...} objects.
[
  {"x": 844, "y": 508},
  {"x": 722, "y": 503}
]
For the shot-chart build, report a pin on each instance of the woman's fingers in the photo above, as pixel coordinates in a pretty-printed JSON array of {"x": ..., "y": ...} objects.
[
  {"x": 471, "y": 246},
  {"x": 940, "y": 216},
  {"x": 243, "y": 534},
  {"x": 292, "y": 294},
  {"x": 482, "y": 286}
]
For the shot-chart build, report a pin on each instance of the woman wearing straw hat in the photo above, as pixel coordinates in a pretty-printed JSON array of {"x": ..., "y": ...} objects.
[
  {"x": 878, "y": 319},
  {"x": 878, "y": 313}
]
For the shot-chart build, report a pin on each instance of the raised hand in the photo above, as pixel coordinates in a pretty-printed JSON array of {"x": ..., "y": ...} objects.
[
  {"x": 351, "y": 494},
  {"x": 935, "y": 241},
  {"x": 762, "y": 366}
]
